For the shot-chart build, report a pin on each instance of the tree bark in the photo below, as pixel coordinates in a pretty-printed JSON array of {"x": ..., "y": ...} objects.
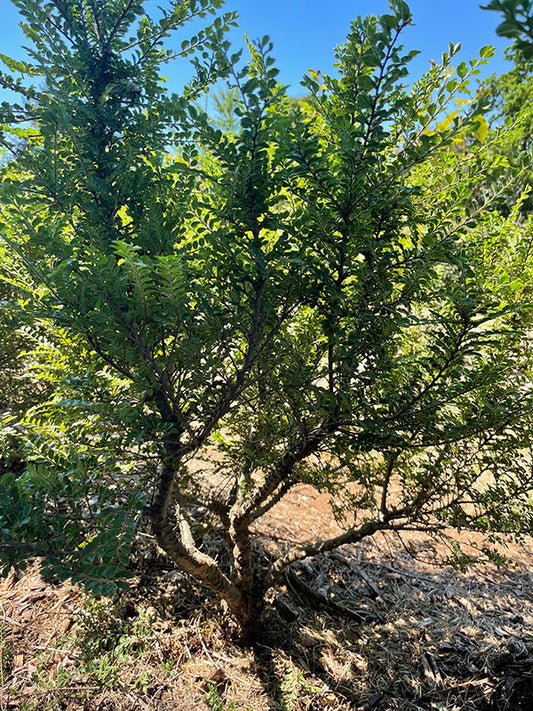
[{"x": 178, "y": 543}]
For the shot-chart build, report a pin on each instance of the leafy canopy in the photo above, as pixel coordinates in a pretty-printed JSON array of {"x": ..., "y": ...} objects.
[{"x": 317, "y": 291}]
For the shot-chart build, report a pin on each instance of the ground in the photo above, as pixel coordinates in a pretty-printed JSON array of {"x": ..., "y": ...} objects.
[{"x": 366, "y": 628}]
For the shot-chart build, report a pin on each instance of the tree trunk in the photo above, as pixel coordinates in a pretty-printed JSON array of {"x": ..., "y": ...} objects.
[{"x": 244, "y": 600}]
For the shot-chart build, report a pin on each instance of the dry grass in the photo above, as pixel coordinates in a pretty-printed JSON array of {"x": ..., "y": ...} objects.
[{"x": 438, "y": 639}]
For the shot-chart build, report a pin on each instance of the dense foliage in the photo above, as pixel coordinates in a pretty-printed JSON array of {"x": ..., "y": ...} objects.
[
  {"x": 512, "y": 93},
  {"x": 317, "y": 291}
]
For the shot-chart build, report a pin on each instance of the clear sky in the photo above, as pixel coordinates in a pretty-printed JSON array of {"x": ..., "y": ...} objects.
[{"x": 304, "y": 32}]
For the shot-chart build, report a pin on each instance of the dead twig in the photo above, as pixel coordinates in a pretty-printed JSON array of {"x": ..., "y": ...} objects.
[
  {"x": 319, "y": 599},
  {"x": 431, "y": 670},
  {"x": 373, "y": 590}
]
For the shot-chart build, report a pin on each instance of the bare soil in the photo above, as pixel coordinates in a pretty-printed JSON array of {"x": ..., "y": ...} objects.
[{"x": 383, "y": 631}]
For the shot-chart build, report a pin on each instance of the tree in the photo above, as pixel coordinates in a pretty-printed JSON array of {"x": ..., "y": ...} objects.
[
  {"x": 512, "y": 92},
  {"x": 312, "y": 295},
  {"x": 517, "y": 23}
]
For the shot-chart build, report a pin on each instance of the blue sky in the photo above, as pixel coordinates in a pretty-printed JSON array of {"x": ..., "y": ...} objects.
[{"x": 304, "y": 32}]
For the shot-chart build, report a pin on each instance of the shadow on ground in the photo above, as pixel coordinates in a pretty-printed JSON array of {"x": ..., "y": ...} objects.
[{"x": 358, "y": 629}]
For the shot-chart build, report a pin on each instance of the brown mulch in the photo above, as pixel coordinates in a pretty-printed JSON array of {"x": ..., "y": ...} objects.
[{"x": 365, "y": 628}]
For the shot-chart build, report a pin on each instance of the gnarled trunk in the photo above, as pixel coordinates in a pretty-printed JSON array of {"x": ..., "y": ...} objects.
[{"x": 240, "y": 594}]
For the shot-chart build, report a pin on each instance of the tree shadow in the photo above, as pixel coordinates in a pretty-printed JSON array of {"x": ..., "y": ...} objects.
[
  {"x": 431, "y": 639},
  {"x": 441, "y": 640}
]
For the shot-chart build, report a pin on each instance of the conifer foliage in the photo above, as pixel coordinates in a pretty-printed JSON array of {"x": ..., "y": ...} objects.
[{"x": 316, "y": 291}]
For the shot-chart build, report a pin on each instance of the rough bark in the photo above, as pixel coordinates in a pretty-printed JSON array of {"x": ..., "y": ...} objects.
[{"x": 178, "y": 543}]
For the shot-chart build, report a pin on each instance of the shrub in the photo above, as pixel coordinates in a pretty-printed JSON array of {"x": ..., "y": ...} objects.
[{"x": 321, "y": 293}]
